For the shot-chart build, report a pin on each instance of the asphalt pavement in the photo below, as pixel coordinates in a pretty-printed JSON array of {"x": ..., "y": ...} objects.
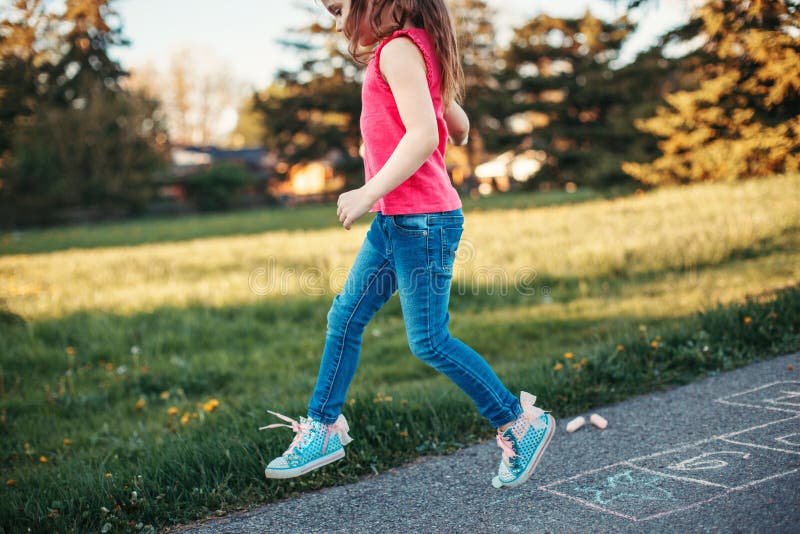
[{"x": 719, "y": 455}]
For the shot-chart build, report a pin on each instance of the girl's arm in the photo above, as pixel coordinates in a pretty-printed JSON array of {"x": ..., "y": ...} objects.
[
  {"x": 457, "y": 123},
  {"x": 403, "y": 67}
]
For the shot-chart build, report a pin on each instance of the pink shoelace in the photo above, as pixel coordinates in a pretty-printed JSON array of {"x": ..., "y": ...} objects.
[
  {"x": 530, "y": 414},
  {"x": 301, "y": 430}
]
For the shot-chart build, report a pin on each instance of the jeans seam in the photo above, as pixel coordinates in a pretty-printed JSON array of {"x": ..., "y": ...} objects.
[
  {"x": 433, "y": 349},
  {"x": 344, "y": 335}
]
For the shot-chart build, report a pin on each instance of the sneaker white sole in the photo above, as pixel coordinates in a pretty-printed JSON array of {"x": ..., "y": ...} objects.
[
  {"x": 551, "y": 428},
  {"x": 310, "y": 466}
]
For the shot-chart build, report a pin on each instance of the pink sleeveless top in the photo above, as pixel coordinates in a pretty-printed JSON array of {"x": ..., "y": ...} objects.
[{"x": 429, "y": 188}]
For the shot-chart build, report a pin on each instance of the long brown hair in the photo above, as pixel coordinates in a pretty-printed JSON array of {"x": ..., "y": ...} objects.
[{"x": 432, "y": 15}]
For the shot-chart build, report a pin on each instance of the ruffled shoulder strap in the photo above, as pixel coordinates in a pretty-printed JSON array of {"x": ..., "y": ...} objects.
[{"x": 420, "y": 38}]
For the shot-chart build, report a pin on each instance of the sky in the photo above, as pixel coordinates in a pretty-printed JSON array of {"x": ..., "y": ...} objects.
[{"x": 242, "y": 33}]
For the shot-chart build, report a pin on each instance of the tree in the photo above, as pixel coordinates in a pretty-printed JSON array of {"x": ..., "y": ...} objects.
[
  {"x": 481, "y": 63},
  {"x": 249, "y": 131},
  {"x": 743, "y": 120},
  {"x": 314, "y": 112},
  {"x": 73, "y": 137},
  {"x": 89, "y": 35},
  {"x": 559, "y": 94},
  {"x": 100, "y": 157},
  {"x": 23, "y": 27},
  {"x": 196, "y": 91}
]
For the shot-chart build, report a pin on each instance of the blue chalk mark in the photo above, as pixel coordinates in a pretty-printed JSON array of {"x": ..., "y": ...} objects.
[{"x": 625, "y": 485}]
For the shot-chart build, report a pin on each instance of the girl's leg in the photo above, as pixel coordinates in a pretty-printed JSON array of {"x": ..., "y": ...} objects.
[
  {"x": 424, "y": 246},
  {"x": 369, "y": 284}
]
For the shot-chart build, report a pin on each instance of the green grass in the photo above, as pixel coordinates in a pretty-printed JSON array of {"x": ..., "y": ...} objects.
[
  {"x": 163, "y": 229},
  {"x": 652, "y": 290}
]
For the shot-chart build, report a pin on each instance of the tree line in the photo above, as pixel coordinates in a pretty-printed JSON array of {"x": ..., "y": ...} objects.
[{"x": 726, "y": 109}]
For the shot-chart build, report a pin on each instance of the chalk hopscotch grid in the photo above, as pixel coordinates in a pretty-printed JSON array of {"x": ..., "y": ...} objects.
[
  {"x": 795, "y": 405},
  {"x": 722, "y": 437}
]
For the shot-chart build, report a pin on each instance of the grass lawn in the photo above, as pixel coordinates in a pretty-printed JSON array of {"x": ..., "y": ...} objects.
[
  {"x": 163, "y": 229},
  {"x": 137, "y": 360}
]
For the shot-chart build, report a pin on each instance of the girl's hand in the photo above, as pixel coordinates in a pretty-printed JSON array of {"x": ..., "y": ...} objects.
[
  {"x": 352, "y": 205},
  {"x": 457, "y": 124}
]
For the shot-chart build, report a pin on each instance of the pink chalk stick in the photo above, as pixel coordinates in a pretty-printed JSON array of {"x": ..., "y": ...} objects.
[
  {"x": 575, "y": 424},
  {"x": 598, "y": 421}
]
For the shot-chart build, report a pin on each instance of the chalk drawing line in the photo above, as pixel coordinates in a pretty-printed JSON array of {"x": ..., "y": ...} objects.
[
  {"x": 759, "y": 403},
  {"x": 758, "y": 445},
  {"x": 709, "y": 439},
  {"x": 721, "y": 437},
  {"x": 724, "y": 491},
  {"x": 616, "y": 487},
  {"x": 704, "y": 462},
  {"x": 678, "y": 477}
]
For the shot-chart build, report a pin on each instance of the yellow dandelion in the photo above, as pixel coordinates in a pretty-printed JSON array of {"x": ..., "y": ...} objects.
[
  {"x": 140, "y": 404},
  {"x": 620, "y": 348},
  {"x": 382, "y": 397},
  {"x": 747, "y": 320},
  {"x": 654, "y": 343},
  {"x": 584, "y": 361},
  {"x": 210, "y": 405},
  {"x": 642, "y": 328},
  {"x": 70, "y": 351},
  {"x": 558, "y": 366},
  {"x": 185, "y": 418},
  {"x": 404, "y": 433},
  {"x": 67, "y": 441},
  {"x": 351, "y": 402},
  {"x": 567, "y": 355},
  {"x": 172, "y": 410},
  {"x": 164, "y": 395},
  {"x": 109, "y": 475},
  {"x": 576, "y": 366},
  {"x": 43, "y": 459},
  {"x": 658, "y": 338},
  {"x": 10, "y": 482},
  {"x": 27, "y": 445}
]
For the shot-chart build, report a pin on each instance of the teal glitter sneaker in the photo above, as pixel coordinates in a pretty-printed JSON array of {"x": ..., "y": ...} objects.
[
  {"x": 523, "y": 443},
  {"x": 315, "y": 444}
]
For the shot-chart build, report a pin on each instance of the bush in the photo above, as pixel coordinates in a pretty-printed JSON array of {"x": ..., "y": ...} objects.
[{"x": 216, "y": 188}]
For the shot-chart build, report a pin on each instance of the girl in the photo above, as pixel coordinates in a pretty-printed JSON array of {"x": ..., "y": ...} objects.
[{"x": 411, "y": 83}]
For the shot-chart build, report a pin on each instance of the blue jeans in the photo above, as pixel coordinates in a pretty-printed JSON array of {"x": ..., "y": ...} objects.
[{"x": 412, "y": 254}]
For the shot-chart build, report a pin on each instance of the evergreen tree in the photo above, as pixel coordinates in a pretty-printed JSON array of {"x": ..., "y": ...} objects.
[
  {"x": 314, "y": 111},
  {"x": 97, "y": 159},
  {"x": 73, "y": 137},
  {"x": 86, "y": 42},
  {"x": 560, "y": 95},
  {"x": 743, "y": 118},
  {"x": 23, "y": 25},
  {"x": 481, "y": 62},
  {"x": 308, "y": 112}
]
